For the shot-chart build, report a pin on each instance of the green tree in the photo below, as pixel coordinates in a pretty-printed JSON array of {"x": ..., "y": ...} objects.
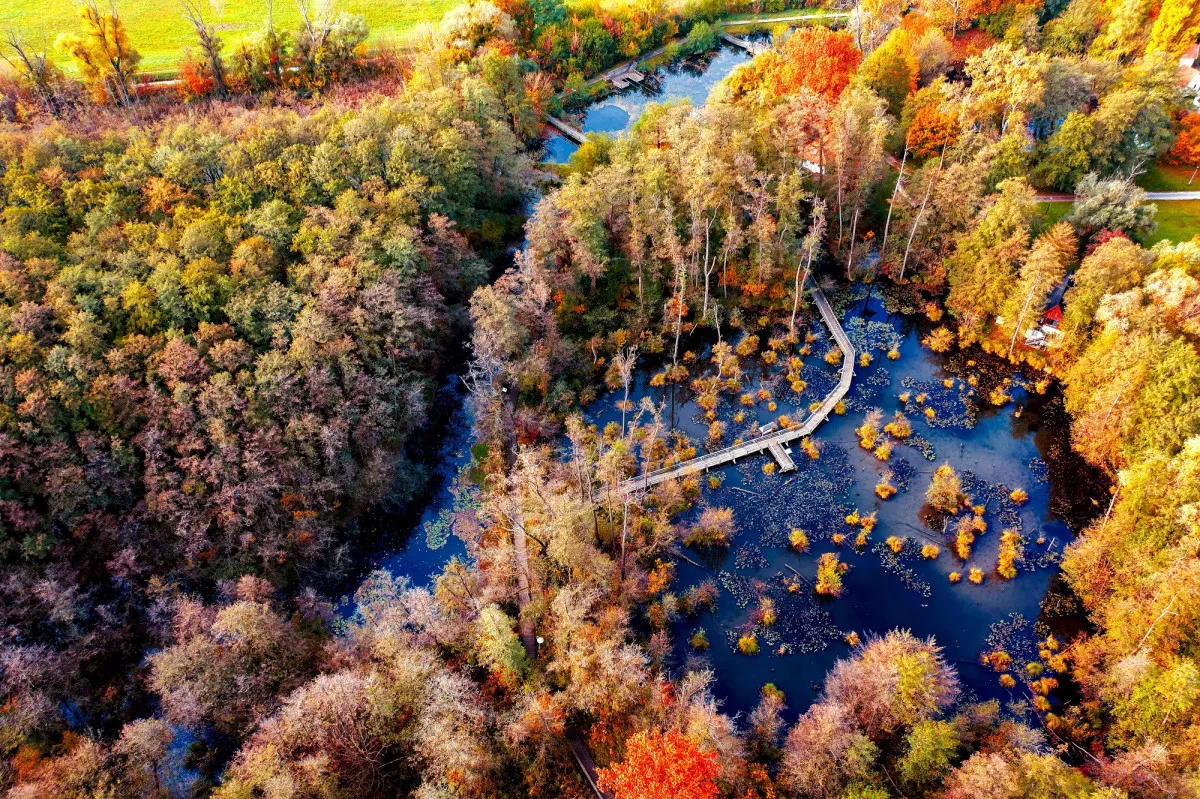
[
  {"x": 499, "y": 646},
  {"x": 983, "y": 269},
  {"x": 930, "y": 748},
  {"x": 1067, "y": 156},
  {"x": 1116, "y": 204}
]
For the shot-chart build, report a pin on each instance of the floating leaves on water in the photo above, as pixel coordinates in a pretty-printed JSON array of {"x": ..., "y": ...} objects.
[
  {"x": 1039, "y": 470},
  {"x": 896, "y": 564},
  {"x": 867, "y": 336},
  {"x": 952, "y": 407},
  {"x": 1016, "y": 635},
  {"x": 749, "y": 557},
  {"x": 437, "y": 531}
]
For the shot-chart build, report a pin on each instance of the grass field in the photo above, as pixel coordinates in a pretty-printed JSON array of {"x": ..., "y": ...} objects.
[
  {"x": 1162, "y": 177},
  {"x": 1178, "y": 220},
  {"x": 159, "y": 31}
]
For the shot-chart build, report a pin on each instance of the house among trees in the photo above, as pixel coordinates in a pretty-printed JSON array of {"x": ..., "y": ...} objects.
[
  {"x": 1046, "y": 333},
  {"x": 1189, "y": 76}
]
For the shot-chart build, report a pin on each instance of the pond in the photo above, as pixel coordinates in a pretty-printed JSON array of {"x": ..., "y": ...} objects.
[
  {"x": 994, "y": 449},
  {"x": 691, "y": 79},
  {"x": 1020, "y": 444}
]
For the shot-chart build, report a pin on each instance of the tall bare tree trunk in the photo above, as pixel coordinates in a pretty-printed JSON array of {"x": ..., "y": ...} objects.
[{"x": 892, "y": 204}]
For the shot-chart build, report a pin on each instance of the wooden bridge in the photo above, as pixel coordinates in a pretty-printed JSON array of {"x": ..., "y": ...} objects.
[
  {"x": 772, "y": 438},
  {"x": 753, "y": 48},
  {"x": 574, "y": 134}
]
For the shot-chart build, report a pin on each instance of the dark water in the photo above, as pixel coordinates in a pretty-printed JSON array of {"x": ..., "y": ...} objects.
[
  {"x": 691, "y": 79},
  {"x": 994, "y": 450},
  {"x": 430, "y": 542}
]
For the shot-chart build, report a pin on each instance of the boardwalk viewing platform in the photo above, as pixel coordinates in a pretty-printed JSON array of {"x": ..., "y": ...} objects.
[{"x": 773, "y": 440}]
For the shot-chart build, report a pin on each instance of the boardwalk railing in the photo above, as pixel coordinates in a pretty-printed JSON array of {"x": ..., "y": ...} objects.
[{"x": 772, "y": 442}]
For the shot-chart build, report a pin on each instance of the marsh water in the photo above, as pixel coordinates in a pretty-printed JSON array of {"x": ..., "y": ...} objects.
[
  {"x": 424, "y": 542},
  {"x": 995, "y": 448},
  {"x": 691, "y": 79}
]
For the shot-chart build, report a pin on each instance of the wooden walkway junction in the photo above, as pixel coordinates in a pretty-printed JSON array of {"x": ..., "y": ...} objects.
[{"x": 772, "y": 439}]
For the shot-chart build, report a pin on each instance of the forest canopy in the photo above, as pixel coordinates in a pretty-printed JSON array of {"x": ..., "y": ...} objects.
[{"x": 225, "y": 327}]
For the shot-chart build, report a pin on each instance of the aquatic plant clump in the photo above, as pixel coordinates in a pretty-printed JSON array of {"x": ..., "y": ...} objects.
[
  {"x": 829, "y": 575},
  {"x": 748, "y": 645}
]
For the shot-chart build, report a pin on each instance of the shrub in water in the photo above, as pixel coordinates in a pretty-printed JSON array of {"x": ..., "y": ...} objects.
[
  {"x": 829, "y": 575},
  {"x": 798, "y": 539},
  {"x": 748, "y": 644}
]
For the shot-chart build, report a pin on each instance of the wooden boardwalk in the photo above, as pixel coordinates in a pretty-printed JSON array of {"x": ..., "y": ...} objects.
[
  {"x": 574, "y": 134},
  {"x": 583, "y": 759},
  {"x": 772, "y": 439},
  {"x": 753, "y": 48}
]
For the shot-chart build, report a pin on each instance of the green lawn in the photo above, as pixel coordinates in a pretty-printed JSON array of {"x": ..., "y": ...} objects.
[
  {"x": 160, "y": 33},
  {"x": 1052, "y": 213},
  {"x": 1161, "y": 177},
  {"x": 1178, "y": 220}
]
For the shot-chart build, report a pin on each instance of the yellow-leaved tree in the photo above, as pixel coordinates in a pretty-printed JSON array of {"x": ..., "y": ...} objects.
[
  {"x": 106, "y": 59},
  {"x": 1176, "y": 27}
]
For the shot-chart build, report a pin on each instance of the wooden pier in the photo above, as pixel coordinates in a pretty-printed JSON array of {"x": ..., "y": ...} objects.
[
  {"x": 753, "y": 48},
  {"x": 773, "y": 440}
]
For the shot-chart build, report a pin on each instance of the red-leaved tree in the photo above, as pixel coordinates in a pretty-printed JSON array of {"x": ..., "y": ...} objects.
[{"x": 662, "y": 766}]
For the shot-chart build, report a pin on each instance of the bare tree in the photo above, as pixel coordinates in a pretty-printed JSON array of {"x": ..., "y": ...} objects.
[
  {"x": 35, "y": 69},
  {"x": 210, "y": 43}
]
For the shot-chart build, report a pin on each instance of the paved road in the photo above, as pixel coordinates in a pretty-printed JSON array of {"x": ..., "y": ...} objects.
[{"x": 1158, "y": 196}]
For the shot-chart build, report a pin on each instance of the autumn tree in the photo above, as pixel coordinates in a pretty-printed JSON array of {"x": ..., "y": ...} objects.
[
  {"x": 35, "y": 70},
  {"x": 1186, "y": 149},
  {"x": 860, "y": 129},
  {"x": 104, "y": 54},
  {"x": 210, "y": 44},
  {"x": 816, "y": 58},
  {"x": 932, "y": 128},
  {"x": 661, "y": 765},
  {"x": 1042, "y": 269},
  {"x": 944, "y": 490},
  {"x": 891, "y": 70},
  {"x": 1175, "y": 28}
]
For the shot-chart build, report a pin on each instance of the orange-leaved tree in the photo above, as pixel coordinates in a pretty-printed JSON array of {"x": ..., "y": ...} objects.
[
  {"x": 931, "y": 129},
  {"x": 815, "y": 58},
  {"x": 1186, "y": 150},
  {"x": 104, "y": 55},
  {"x": 662, "y": 766}
]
